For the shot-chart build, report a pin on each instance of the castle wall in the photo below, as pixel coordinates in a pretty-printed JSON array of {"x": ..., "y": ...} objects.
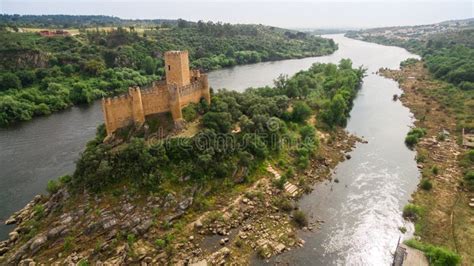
[
  {"x": 117, "y": 112},
  {"x": 155, "y": 100},
  {"x": 178, "y": 91}
]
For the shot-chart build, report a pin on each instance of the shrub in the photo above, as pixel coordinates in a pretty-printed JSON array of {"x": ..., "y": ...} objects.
[
  {"x": 38, "y": 210},
  {"x": 300, "y": 218},
  {"x": 53, "y": 186},
  {"x": 420, "y": 158},
  {"x": 65, "y": 179},
  {"x": 301, "y": 112},
  {"x": 470, "y": 155},
  {"x": 438, "y": 256},
  {"x": 435, "y": 170},
  {"x": 414, "y": 136},
  {"x": 160, "y": 243},
  {"x": 411, "y": 140},
  {"x": 190, "y": 112},
  {"x": 411, "y": 212},
  {"x": 9, "y": 81},
  {"x": 68, "y": 244},
  {"x": 131, "y": 239},
  {"x": 441, "y": 136},
  {"x": 284, "y": 204},
  {"x": 280, "y": 183},
  {"x": 426, "y": 184},
  {"x": 469, "y": 177}
]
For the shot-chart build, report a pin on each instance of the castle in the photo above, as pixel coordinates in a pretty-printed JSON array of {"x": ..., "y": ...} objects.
[{"x": 181, "y": 87}]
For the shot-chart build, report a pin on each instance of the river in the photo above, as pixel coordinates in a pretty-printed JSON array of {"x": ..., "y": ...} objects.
[{"x": 362, "y": 212}]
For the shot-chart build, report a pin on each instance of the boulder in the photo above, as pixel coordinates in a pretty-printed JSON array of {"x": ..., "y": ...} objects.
[
  {"x": 10, "y": 220},
  {"x": 198, "y": 224},
  {"x": 143, "y": 227},
  {"x": 3, "y": 250},
  {"x": 108, "y": 223},
  {"x": 183, "y": 205},
  {"x": 56, "y": 231},
  {"x": 13, "y": 236},
  {"x": 38, "y": 243}
]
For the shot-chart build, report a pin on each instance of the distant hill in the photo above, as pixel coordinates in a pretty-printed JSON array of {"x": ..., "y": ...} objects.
[{"x": 70, "y": 21}]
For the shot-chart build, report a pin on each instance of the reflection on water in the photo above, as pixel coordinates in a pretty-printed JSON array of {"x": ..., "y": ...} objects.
[{"x": 361, "y": 212}]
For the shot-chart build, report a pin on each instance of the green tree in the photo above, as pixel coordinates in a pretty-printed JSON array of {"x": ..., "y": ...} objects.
[
  {"x": 218, "y": 121},
  {"x": 94, "y": 66},
  {"x": 81, "y": 93},
  {"x": 10, "y": 81},
  {"x": 335, "y": 113},
  {"x": 301, "y": 112},
  {"x": 149, "y": 65}
]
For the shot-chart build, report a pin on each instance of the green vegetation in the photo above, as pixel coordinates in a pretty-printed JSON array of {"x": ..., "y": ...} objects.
[
  {"x": 284, "y": 204},
  {"x": 413, "y": 136},
  {"x": 52, "y": 186},
  {"x": 300, "y": 218},
  {"x": 469, "y": 178},
  {"x": 412, "y": 212},
  {"x": 216, "y": 152},
  {"x": 438, "y": 256},
  {"x": 69, "y": 244},
  {"x": 426, "y": 184},
  {"x": 40, "y": 75},
  {"x": 454, "y": 65}
]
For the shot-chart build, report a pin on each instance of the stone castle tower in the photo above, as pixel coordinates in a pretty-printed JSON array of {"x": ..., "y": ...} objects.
[{"x": 181, "y": 87}]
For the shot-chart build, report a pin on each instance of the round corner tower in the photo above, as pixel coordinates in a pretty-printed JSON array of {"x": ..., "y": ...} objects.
[{"x": 177, "y": 68}]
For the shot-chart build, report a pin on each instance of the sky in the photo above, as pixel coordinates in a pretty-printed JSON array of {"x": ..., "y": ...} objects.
[{"x": 289, "y": 14}]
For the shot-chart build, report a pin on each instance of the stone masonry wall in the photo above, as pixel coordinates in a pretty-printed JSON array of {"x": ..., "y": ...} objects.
[{"x": 181, "y": 87}]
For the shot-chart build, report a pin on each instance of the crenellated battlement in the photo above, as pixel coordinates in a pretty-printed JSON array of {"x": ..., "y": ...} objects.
[{"x": 181, "y": 87}]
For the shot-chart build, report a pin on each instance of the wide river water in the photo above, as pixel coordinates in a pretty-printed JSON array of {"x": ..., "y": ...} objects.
[{"x": 362, "y": 212}]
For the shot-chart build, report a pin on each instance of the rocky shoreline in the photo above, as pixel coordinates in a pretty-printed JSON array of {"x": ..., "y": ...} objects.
[
  {"x": 446, "y": 220},
  {"x": 135, "y": 229}
]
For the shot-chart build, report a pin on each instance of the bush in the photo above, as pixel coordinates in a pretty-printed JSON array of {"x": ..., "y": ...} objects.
[
  {"x": 426, "y": 184},
  {"x": 411, "y": 141},
  {"x": 68, "y": 244},
  {"x": 131, "y": 239},
  {"x": 284, "y": 204},
  {"x": 300, "y": 218},
  {"x": 160, "y": 243},
  {"x": 280, "y": 183},
  {"x": 53, "y": 186},
  {"x": 190, "y": 112},
  {"x": 469, "y": 177},
  {"x": 38, "y": 210},
  {"x": 9, "y": 81},
  {"x": 438, "y": 256},
  {"x": 414, "y": 136},
  {"x": 65, "y": 179},
  {"x": 301, "y": 112},
  {"x": 411, "y": 212},
  {"x": 470, "y": 155},
  {"x": 435, "y": 170}
]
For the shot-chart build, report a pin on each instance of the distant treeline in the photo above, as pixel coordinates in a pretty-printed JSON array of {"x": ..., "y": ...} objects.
[{"x": 70, "y": 21}]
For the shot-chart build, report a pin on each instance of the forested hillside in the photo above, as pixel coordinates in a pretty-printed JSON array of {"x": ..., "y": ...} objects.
[{"x": 40, "y": 75}]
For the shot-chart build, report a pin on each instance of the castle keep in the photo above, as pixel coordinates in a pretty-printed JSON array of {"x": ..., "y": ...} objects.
[{"x": 181, "y": 87}]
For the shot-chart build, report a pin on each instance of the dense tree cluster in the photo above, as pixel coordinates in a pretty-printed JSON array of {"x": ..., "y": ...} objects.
[
  {"x": 454, "y": 65},
  {"x": 238, "y": 131}
]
